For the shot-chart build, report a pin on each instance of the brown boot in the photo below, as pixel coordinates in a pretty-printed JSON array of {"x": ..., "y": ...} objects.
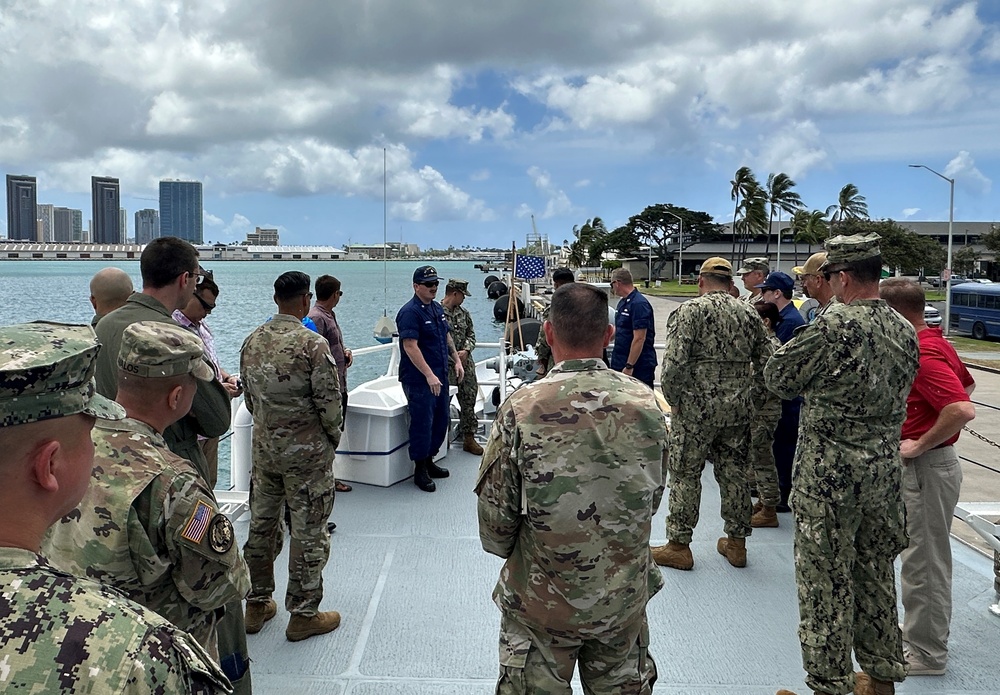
[
  {"x": 258, "y": 613},
  {"x": 766, "y": 517},
  {"x": 757, "y": 506},
  {"x": 735, "y": 550},
  {"x": 676, "y": 555},
  {"x": 866, "y": 685},
  {"x": 472, "y": 446},
  {"x": 302, "y": 627}
]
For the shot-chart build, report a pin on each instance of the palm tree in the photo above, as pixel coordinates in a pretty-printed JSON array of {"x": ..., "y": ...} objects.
[
  {"x": 781, "y": 196},
  {"x": 743, "y": 181},
  {"x": 753, "y": 211},
  {"x": 809, "y": 228},
  {"x": 851, "y": 205}
]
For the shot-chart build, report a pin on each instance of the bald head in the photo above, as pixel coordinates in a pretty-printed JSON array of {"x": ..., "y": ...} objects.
[{"x": 109, "y": 289}]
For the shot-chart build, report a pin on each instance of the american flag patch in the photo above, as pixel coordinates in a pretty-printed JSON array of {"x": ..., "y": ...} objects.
[{"x": 197, "y": 525}]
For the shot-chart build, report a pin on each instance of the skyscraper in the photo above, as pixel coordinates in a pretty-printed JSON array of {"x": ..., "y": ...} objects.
[
  {"x": 22, "y": 199},
  {"x": 147, "y": 226},
  {"x": 45, "y": 214},
  {"x": 62, "y": 225},
  {"x": 181, "y": 211},
  {"x": 105, "y": 196},
  {"x": 77, "y": 225}
]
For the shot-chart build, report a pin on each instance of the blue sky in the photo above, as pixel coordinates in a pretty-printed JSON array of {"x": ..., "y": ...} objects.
[{"x": 492, "y": 112}]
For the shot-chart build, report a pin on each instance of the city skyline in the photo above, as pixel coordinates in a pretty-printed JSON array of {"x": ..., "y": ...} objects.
[{"x": 560, "y": 111}]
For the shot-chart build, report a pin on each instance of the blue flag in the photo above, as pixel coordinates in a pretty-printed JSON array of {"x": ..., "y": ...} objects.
[{"x": 529, "y": 267}]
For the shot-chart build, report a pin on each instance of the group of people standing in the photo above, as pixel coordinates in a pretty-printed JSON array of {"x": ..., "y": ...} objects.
[{"x": 577, "y": 462}]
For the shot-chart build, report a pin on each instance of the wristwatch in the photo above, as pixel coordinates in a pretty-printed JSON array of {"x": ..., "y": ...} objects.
[{"x": 629, "y": 365}]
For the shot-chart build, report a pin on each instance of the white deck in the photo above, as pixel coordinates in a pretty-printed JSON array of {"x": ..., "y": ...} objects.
[{"x": 413, "y": 586}]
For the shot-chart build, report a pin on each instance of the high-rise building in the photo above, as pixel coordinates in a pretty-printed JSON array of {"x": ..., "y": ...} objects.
[
  {"x": 147, "y": 226},
  {"x": 105, "y": 195},
  {"x": 77, "y": 225},
  {"x": 22, "y": 199},
  {"x": 62, "y": 225},
  {"x": 123, "y": 221},
  {"x": 181, "y": 210},
  {"x": 46, "y": 222}
]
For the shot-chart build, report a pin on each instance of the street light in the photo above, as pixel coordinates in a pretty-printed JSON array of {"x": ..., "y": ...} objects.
[
  {"x": 680, "y": 247},
  {"x": 951, "y": 223}
]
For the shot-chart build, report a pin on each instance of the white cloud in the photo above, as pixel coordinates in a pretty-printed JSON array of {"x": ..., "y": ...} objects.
[
  {"x": 211, "y": 220},
  {"x": 238, "y": 228},
  {"x": 963, "y": 169},
  {"x": 557, "y": 203},
  {"x": 909, "y": 212},
  {"x": 793, "y": 149},
  {"x": 582, "y": 183},
  {"x": 481, "y": 175}
]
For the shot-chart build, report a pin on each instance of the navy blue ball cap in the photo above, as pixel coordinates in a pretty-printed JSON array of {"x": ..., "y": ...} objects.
[
  {"x": 777, "y": 281},
  {"x": 425, "y": 273}
]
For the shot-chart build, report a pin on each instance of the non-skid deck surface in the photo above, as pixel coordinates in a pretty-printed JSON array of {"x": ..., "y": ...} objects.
[{"x": 408, "y": 576}]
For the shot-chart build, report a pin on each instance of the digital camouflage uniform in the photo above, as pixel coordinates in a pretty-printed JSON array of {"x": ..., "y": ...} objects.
[
  {"x": 292, "y": 389},
  {"x": 60, "y": 634},
  {"x": 464, "y": 336},
  {"x": 543, "y": 353},
  {"x": 150, "y": 526},
  {"x": 712, "y": 376},
  {"x": 854, "y": 365},
  {"x": 765, "y": 414},
  {"x": 572, "y": 475}
]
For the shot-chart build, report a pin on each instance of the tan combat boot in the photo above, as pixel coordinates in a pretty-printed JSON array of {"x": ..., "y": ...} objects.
[
  {"x": 676, "y": 555},
  {"x": 302, "y": 627},
  {"x": 866, "y": 685},
  {"x": 472, "y": 446},
  {"x": 765, "y": 517},
  {"x": 735, "y": 550},
  {"x": 258, "y": 613}
]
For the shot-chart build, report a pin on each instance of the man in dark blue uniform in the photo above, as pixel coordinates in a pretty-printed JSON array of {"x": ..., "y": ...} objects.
[
  {"x": 634, "y": 354},
  {"x": 423, "y": 372}
]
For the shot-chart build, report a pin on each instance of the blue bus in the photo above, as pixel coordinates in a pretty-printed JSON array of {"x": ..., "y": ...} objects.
[{"x": 975, "y": 309}]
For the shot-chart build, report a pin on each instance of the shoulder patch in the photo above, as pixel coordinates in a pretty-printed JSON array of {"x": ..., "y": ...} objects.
[
  {"x": 220, "y": 534},
  {"x": 197, "y": 524}
]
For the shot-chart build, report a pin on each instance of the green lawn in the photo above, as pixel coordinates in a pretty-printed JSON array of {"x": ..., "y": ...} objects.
[
  {"x": 963, "y": 344},
  {"x": 670, "y": 289}
]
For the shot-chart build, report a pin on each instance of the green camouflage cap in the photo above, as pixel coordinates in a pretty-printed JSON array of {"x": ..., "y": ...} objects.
[
  {"x": 849, "y": 248},
  {"x": 752, "y": 264},
  {"x": 156, "y": 349},
  {"x": 47, "y": 371},
  {"x": 460, "y": 285}
]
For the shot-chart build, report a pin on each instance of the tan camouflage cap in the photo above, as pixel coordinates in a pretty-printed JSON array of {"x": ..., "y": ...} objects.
[
  {"x": 460, "y": 285},
  {"x": 812, "y": 265},
  {"x": 754, "y": 264},
  {"x": 849, "y": 248},
  {"x": 47, "y": 371},
  {"x": 156, "y": 349},
  {"x": 717, "y": 266}
]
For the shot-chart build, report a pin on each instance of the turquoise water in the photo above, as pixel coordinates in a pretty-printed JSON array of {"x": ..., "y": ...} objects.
[{"x": 59, "y": 291}]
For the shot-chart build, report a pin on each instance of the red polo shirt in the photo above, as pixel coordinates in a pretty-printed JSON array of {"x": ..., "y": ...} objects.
[{"x": 941, "y": 380}]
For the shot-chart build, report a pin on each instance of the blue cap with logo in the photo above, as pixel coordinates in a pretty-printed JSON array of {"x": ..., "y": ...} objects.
[
  {"x": 425, "y": 273},
  {"x": 777, "y": 281}
]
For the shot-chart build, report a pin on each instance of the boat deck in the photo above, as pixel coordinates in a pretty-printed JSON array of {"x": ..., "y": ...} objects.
[{"x": 413, "y": 585}]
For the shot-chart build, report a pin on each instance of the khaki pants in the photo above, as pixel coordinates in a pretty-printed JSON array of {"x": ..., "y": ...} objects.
[
  {"x": 931, "y": 485},
  {"x": 537, "y": 663}
]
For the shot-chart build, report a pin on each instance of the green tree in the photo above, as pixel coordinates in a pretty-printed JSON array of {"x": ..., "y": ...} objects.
[
  {"x": 658, "y": 227},
  {"x": 901, "y": 247},
  {"x": 808, "y": 228},
  {"x": 622, "y": 241},
  {"x": 742, "y": 183},
  {"x": 851, "y": 205},
  {"x": 965, "y": 260},
  {"x": 780, "y": 196},
  {"x": 991, "y": 240},
  {"x": 752, "y": 216}
]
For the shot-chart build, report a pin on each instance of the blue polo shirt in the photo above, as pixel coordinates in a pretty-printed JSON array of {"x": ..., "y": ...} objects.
[
  {"x": 790, "y": 320},
  {"x": 634, "y": 312},
  {"x": 426, "y": 324}
]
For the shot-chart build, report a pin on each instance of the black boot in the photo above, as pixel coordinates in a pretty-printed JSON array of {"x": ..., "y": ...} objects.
[
  {"x": 783, "y": 505},
  {"x": 420, "y": 477},
  {"x": 434, "y": 470}
]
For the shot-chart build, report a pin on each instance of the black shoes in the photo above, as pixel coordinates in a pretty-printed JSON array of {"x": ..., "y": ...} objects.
[
  {"x": 434, "y": 470},
  {"x": 421, "y": 478}
]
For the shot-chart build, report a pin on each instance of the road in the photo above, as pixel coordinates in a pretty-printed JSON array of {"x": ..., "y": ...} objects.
[{"x": 980, "y": 460}]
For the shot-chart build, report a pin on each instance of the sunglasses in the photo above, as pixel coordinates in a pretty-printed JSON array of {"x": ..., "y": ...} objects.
[
  {"x": 340, "y": 293},
  {"x": 204, "y": 305},
  {"x": 430, "y": 285}
]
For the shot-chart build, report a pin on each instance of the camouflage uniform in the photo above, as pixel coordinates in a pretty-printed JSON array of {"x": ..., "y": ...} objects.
[
  {"x": 572, "y": 476},
  {"x": 292, "y": 389},
  {"x": 766, "y": 413},
  {"x": 543, "y": 353},
  {"x": 149, "y": 525},
  {"x": 464, "y": 336},
  {"x": 711, "y": 375},
  {"x": 62, "y": 634},
  {"x": 854, "y": 365}
]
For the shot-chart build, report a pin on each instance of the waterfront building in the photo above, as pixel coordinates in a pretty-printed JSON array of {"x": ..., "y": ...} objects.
[
  {"x": 147, "y": 226},
  {"x": 22, "y": 199},
  {"x": 262, "y": 237},
  {"x": 77, "y": 224},
  {"x": 123, "y": 224},
  {"x": 45, "y": 214},
  {"x": 62, "y": 224},
  {"x": 106, "y": 203},
  {"x": 181, "y": 210}
]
